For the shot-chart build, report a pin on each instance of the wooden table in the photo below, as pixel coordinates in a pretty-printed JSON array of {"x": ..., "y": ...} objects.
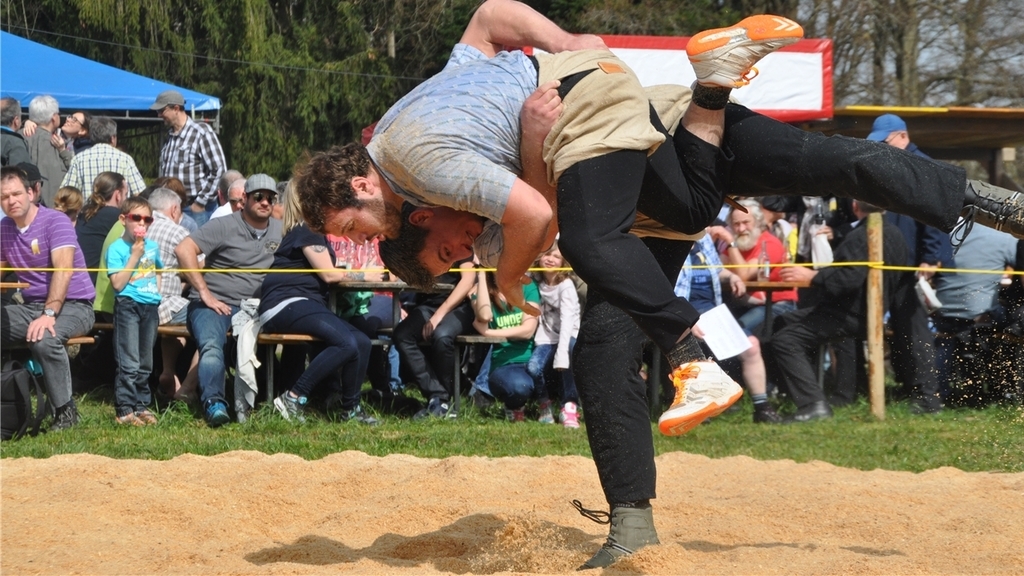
[
  {"x": 769, "y": 287},
  {"x": 5, "y": 286}
]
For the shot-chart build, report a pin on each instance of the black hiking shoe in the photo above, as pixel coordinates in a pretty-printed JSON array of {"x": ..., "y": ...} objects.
[
  {"x": 65, "y": 417},
  {"x": 991, "y": 206},
  {"x": 436, "y": 408}
]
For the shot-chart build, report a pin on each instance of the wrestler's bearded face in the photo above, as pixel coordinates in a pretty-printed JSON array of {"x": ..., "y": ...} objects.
[
  {"x": 374, "y": 219},
  {"x": 745, "y": 230},
  {"x": 450, "y": 237}
]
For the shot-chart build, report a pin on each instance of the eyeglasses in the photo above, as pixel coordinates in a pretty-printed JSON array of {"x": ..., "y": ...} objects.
[
  {"x": 73, "y": 119},
  {"x": 139, "y": 218},
  {"x": 261, "y": 195}
]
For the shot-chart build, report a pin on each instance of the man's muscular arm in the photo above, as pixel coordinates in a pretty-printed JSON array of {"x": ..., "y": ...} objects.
[{"x": 498, "y": 24}]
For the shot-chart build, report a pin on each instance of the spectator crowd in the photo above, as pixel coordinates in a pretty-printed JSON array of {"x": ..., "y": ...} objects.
[{"x": 175, "y": 280}]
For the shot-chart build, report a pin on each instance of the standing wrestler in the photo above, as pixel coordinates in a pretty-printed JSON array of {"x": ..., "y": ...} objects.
[{"x": 454, "y": 143}]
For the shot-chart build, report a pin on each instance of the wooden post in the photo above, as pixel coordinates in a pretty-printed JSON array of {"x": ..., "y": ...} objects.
[{"x": 876, "y": 308}]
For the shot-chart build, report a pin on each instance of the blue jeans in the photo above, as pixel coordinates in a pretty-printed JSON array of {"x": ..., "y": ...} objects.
[
  {"x": 512, "y": 385},
  {"x": 343, "y": 348},
  {"x": 752, "y": 319},
  {"x": 204, "y": 216},
  {"x": 482, "y": 381},
  {"x": 541, "y": 362},
  {"x": 134, "y": 337},
  {"x": 210, "y": 331},
  {"x": 380, "y": 307}
]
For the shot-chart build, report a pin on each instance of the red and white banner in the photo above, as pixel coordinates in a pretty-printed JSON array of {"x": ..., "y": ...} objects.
[{"x": 793, "y": 84}]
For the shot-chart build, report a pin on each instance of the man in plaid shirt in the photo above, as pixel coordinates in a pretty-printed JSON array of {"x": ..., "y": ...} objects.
[
  {"x": 103, "y": 157},
  {"x": 191, "y": 154}
]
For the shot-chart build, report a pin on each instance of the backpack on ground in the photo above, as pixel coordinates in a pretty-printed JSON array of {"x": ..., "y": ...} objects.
[{"x": 16, "y": 414}]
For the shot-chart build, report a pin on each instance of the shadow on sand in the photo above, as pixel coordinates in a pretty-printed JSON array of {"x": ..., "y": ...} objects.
[{"x": 480, "y": 543}]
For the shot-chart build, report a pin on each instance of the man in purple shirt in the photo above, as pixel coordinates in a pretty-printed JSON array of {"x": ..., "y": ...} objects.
[{"x": 40, "y": 244}]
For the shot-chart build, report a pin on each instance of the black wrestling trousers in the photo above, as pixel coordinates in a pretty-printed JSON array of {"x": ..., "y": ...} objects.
[
  {"x": 775, "y": 158},
  {"x": 606, "y": 366}
]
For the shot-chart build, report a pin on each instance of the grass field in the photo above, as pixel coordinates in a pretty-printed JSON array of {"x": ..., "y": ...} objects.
[{"x": 989, "y": 439}]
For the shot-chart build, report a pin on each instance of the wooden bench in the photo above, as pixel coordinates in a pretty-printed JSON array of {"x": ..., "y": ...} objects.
[
  {"x": 176, "y": 330},
  {"x": 73, "y": 341},
  {"x": 460, "y": 342},
  {"x": 271, "y": 341}
]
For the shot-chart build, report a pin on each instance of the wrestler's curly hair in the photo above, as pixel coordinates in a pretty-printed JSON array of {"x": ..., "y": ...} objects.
[
  {"x": 401, "y": 255},
  {"x": 323, "y": 182}
]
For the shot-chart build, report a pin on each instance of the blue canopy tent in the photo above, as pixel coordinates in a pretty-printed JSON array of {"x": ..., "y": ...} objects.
[{"x": 29, "y": 69}]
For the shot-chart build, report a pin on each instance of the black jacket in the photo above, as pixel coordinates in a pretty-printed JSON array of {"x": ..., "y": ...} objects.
[{"x": 843, "y": 287}]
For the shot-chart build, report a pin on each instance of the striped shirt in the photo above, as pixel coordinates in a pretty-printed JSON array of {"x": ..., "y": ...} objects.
[
  {"x": 32, "y": 249},
  {"x": 195, "y": 157},
  {"x": 87, "y": 165}
]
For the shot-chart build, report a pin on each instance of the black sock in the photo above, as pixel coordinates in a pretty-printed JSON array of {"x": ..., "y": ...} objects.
[
  {"x": 686, "y": 350},
  {"x": 711, "y": 97}
]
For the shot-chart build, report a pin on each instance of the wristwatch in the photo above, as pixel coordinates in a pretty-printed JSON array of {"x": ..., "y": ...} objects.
[{"x": 50, "y": 312}]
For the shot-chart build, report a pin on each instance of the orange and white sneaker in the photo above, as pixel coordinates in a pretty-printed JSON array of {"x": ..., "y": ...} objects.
[
  {"x": 703, "y": 390},
  {"x": 726, "y": 56}
]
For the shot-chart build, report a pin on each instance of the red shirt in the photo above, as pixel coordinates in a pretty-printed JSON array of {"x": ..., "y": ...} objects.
[{"x": 776, "y": 255}]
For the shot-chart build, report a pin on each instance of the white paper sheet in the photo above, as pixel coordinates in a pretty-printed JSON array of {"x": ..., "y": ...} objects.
[{"x": 723, "y": 333}]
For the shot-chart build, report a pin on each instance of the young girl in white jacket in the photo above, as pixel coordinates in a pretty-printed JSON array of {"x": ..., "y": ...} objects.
[{"x": 556, "y": 335}]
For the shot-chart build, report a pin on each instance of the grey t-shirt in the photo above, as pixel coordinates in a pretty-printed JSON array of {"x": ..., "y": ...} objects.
[
  {"x": 969, "y": 295},
  {"x": 230, "y": 244}
]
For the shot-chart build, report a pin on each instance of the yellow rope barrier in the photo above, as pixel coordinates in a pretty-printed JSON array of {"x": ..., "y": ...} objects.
[{"x": 875, "y": 265}]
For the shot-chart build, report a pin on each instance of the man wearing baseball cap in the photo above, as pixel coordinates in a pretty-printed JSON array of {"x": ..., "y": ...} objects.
[
  {"x": 192, "y": 154},
  {"x": 236, "y": 244},
  {"x": 885, "y": 126},
  {"x": 35, "y": 179}
]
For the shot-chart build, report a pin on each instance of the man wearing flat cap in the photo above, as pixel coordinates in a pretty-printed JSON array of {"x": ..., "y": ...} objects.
[{"x": 192, "y": 154}]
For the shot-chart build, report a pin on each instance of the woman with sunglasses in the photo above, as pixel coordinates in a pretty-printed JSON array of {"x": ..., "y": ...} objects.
[{"x": 72, "y": 136}]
